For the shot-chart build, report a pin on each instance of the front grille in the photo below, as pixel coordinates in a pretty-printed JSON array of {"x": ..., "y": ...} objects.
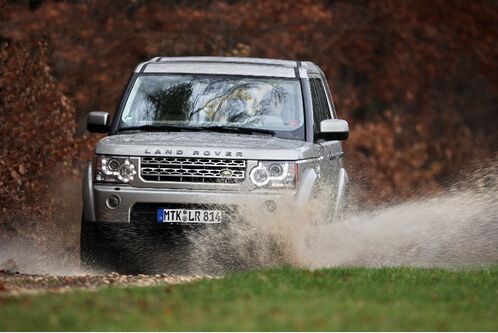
[{"x": 194, "y": 170}]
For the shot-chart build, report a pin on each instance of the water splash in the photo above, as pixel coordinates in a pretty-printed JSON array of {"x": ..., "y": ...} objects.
[{"x": 453, "y": 229}]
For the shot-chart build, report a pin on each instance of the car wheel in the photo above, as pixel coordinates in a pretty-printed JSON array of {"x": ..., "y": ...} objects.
[{"x": 95, "y": 256}]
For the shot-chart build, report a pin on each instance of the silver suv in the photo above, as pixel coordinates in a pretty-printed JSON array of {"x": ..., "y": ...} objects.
[{"x": 195, "y": 140}]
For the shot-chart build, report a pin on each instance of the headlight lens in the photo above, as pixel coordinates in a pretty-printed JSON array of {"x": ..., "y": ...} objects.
[
  {"x": 113, "y": 164},
  {"x": 113, "y": 169},
  {"x": 274, "y": 174},
  {"x": 260, "y": 177}
]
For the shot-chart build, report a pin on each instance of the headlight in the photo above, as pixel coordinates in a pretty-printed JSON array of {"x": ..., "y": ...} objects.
[
  {"x": 274, "y": 174},
  {"x": 113, "y": 169}
]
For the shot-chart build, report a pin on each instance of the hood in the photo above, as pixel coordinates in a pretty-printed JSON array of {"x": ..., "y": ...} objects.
[{"x": 207, "y": 144}]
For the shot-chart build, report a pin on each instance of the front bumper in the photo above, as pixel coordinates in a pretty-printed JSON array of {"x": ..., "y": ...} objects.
[{"x": 130, "y": 196}]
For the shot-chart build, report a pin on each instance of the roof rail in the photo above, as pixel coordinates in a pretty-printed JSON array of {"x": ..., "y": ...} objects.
[{"x": 240, "y": 60}]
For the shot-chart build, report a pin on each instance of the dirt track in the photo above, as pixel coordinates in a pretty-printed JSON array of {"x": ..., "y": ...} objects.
[{"x": 18, "y": 284}]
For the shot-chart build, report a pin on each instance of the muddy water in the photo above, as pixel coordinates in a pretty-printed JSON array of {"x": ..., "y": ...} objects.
[
  {"x": 458, "y": 228},
  {"x": 453, "y": 229}
]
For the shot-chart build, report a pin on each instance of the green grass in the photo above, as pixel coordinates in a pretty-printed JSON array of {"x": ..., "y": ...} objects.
[{"x": 279, "y": 299}]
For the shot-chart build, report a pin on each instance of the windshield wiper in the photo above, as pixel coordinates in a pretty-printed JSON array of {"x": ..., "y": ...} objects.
[
  {"x": 235, "y": 129},
  {"x": 170, "y": 128},
  {"x": 159, "y": 128}
]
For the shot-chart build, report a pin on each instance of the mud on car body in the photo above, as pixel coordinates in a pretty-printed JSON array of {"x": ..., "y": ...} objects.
[{"x": 195, "y": 141}]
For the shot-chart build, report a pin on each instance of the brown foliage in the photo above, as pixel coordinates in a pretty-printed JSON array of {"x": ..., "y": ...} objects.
[
  {"x": 37, "y": 131},
  {"x": 416, "y": 79}
]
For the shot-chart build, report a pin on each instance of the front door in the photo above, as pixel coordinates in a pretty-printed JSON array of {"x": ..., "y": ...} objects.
[{"x": 332, "y": 150}]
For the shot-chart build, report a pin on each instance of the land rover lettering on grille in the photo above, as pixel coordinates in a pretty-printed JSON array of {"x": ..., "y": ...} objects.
[{"x": 181, "y": 152}]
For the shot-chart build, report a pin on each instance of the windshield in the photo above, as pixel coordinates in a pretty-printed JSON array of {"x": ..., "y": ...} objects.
[{"x": 273, "y": 104}]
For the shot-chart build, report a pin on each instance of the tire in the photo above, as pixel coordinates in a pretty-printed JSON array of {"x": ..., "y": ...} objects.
[
  {"x": 326, "y": 206},
  {"x": 132, "y": 249},
  {"x": 94, "y": 255}
]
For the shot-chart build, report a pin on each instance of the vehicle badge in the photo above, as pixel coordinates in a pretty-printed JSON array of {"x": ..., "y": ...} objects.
[{"x": 226, "y": 173}]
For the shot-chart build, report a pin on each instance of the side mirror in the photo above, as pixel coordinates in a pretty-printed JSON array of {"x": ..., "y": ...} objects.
[
  {"x": 333, "y": 129},
  {"x": 98, "y": 122}
]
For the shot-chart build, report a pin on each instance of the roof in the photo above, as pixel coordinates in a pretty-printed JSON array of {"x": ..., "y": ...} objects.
[{"x": 225, "y": 66}]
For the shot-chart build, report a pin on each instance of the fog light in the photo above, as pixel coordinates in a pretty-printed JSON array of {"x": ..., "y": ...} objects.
[
  {"x": 270, "y": 206},
  {"x": 113, "y": 201}
]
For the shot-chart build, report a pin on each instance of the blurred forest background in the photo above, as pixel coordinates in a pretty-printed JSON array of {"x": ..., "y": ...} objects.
[{"x": 417, "y": 80}]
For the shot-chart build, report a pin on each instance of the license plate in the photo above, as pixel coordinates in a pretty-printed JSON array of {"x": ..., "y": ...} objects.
[{"x": 165, "y": 215}]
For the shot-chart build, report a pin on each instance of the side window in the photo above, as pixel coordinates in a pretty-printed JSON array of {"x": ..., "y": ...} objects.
[{"x": 320, "y": 106}]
